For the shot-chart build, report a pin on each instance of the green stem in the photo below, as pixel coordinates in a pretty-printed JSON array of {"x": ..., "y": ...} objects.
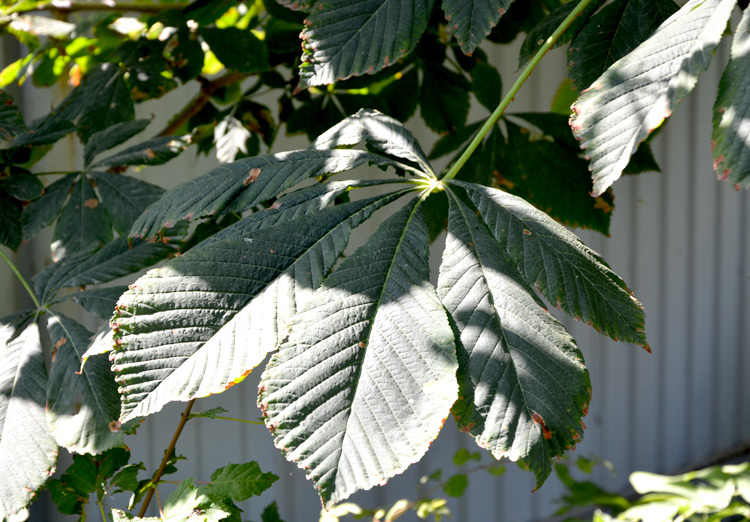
[
  {"x": 101, "y": 509},
  {"x": 20, "y": 278},
  {"x": 514, "y": 90}
]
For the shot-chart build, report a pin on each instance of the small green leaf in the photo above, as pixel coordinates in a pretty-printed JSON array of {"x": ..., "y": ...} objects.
[
  {"x": 187, "y": 503},
  {"x": 239, "y": 481},
  {"x": 463, "y": 456},
  {"x": 456, "y": 485},
  {"x": 344, "y": 38},
  {"x": 496, "y": 470},
  {"x": 731, "y": 138},
  {"x": 472, "y": 20},
  {"x": 453, "y": 141},
  {"x": 638, "y": 92},
  {"x": 225, "y": 42},
  {"x": 83, "y": 224},
  {"x": 98, "y": 301},
  {"x": 43, "y": 212},
  {"x": 211, "y": 414},
  {"x": 46, "y": 131},
  {"x": 110, "y": 137},
  {"x": 271, "y": 513},
  {"x": 82, "y": 405}
]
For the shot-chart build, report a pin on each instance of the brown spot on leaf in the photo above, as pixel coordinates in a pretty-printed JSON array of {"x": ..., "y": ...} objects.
[
  {"x": 91, "y": 203},
  {"x": 540, "y": 421},
  {"x": 115, "y": 426},
  {"x": 362, "y": 344},
  {"x": 251, "y": 176},
  {"x": 526, "y": 232},
  {"x": 149, "y": 153}
]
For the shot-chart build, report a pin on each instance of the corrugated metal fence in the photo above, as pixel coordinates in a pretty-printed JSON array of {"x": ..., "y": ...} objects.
[{"x": 680, "y": 240}]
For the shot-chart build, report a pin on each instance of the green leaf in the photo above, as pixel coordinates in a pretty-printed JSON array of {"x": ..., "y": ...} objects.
[
  {"x": 444, "y": 99},
  {"x": 731, "y": 137},
  {"x": 552, "y": 259},
  {"x": 117, "y": 259},
  {"x": 456, "y": 485},
  {"x": 367, "y": 376},
  {"x": 11, "y": 119},
  {"x": 110, "y": 137},
  {"x": 463, "y": 456},
  {"x": 523, "y": 387},
  {"x": 125, "y": 198},
  {"x": 186, "y": 503},
  {"x": 225, "y": 42},
  {"x": 636, "y": 94},
  {"x": 82, "y": 404},
  {"x": 243, "y": 184},
  {"x": 271, "y": 513},
  {"x": 239, "y": 481},
  {"x": 612, "y": 33},
  {"x": 27, "y": 449},
  {"x": 66, "y": 498},
  {"x": 10, "y": 222},
  {"x": 378, "y": 131},
  {"x": 155, "y": 151},
  {"x": 343, "y": 38},
  {"x": 99, "y": 301},
  {"x": 23, "y": 186},
  {"x": 538, "y": 35},
  {"x": 486, "y": 85},
  {"x": 83, "y": 224},
  {"x": 102, "y": 100},
  {"x": 230, "y": 138},
  {"x": 472, "y": 20},
  {"x": 524, "y": 170},
  {"x": 217, "y": 302},
  {"x": 43, "y": 212}
]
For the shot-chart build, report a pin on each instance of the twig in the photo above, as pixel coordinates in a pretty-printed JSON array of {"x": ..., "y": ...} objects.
[
  {"x": 208, "y": 87},
  {"x": 167, "y": 455}
]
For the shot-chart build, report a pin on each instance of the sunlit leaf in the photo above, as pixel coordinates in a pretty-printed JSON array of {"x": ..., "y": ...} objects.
[
  {"x": 638, "y": 92},
  {"x": 472, "y": 20}
]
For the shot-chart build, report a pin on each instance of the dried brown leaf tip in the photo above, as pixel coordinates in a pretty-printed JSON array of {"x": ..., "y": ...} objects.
[{"x": 540, "y": 421}]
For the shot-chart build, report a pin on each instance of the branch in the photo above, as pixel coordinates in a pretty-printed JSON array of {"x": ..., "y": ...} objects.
[
  {"x": 208, "y": 87},
  {"x": 167, "y": 455}
]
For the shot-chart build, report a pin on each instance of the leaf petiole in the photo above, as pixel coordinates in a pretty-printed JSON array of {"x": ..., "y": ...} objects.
[
  {"x": 511, "y": 94},
  {"x": 20, "y": 278}
]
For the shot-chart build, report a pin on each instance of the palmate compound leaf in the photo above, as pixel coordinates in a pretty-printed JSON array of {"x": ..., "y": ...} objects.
[
  {"x": 639, "y": 91},
  {"x": 731, "y": 135},
  {"x": 27, "y": 448},
  {"x": 472, "y": 20},
  {"x": 553, "y": 260},
  {"x": 367, "y": 376},
  {"x": 352, "y": 37},
  {"x": 82, "y": 403},
  {"x": 203, "y": 321},
  {"x": 523, "y": 387},
  {"x": 243, "y": 184}
]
